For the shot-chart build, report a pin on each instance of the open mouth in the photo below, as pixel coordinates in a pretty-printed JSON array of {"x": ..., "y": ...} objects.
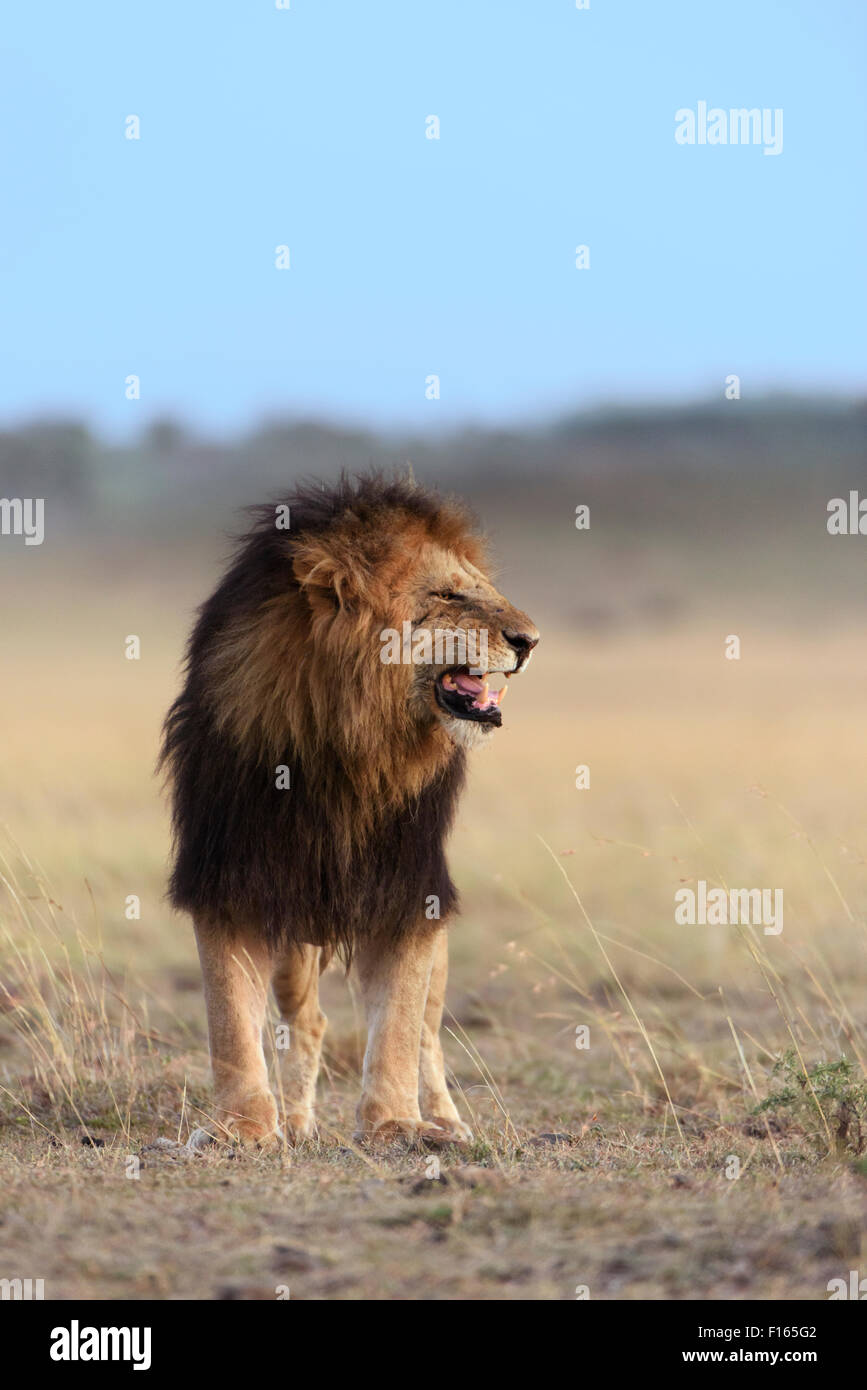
[{"x": 464, "y": 696}]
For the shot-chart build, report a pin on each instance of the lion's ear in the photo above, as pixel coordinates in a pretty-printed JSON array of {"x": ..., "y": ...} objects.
[{"x": 326, "y": 575}]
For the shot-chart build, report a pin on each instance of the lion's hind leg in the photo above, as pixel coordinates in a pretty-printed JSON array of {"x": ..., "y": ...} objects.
[
  {"x": 296, "y": 989},
  {"x": 395, "y": 978},
  {"x": 436, "y": 1104}
]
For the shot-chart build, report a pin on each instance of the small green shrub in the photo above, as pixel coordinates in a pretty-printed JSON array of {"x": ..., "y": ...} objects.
[{"x": 834, "y": 1088}]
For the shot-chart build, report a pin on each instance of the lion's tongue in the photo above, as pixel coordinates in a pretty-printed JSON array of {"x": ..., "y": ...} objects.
[
  {"x": 473, "y": 685},
  {"x": 469, "y": 685}
]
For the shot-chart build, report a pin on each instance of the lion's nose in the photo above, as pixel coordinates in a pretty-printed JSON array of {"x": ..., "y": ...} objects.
[{"x": 523, "y": 642}]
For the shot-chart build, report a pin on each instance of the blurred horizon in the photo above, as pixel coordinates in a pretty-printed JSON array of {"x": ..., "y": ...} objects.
[
  {"x": 575, "y": 415},
  {"x": 752, "y": 454},
  {"x": 712, "y": 513}
]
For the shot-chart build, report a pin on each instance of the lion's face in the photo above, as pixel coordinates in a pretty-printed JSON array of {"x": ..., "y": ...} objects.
[{"x": 467, "y": 641}]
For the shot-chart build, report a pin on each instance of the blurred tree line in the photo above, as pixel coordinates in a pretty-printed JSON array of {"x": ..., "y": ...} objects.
[{"x": 645, "y": 462}]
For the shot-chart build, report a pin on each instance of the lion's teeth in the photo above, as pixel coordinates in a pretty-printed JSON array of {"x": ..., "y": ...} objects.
[
  {"x": 448, "y": 683},
  {"x": 501, "y": 694},
  {"x": 483, "y": 698}
]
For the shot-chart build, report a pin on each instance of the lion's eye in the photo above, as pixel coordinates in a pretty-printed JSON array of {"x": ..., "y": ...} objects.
[{"x": 450, "y": 596}]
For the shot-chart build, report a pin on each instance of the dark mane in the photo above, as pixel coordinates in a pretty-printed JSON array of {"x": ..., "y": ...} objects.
[{"x": 314, "y": 863}]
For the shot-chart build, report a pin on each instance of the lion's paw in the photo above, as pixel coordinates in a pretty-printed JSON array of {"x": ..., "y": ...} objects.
[
  {"x": 410, "y": 1133},
  {"x": 239, "y": 1133},
  {"x": 300, "y": 1125},
  {"x": 454, "y": 1131},
  {"x": 248, "y": 1119}
]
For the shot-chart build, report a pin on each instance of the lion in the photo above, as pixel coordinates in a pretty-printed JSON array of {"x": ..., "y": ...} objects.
[{"x": 314, "y": 779}]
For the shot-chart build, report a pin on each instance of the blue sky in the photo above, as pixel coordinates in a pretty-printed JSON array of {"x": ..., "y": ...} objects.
[{"x": 410, "y": 256}]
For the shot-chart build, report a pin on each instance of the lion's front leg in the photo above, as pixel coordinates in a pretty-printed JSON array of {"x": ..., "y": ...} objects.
[
  {"x": 394, "y": 978},
  {"x": 236, "y": 969},
  {"x": 437, "y": 1106}
]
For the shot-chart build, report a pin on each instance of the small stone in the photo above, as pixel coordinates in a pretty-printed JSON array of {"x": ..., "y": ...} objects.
[
  {"x": 292, "y": 1257},
  {"x": 423, "y": 1185},
  {"x": 200, "y": 1140}
]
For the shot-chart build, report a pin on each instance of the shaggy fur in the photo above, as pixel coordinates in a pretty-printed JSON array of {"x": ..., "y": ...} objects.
[{"x": 283, "y": 669}]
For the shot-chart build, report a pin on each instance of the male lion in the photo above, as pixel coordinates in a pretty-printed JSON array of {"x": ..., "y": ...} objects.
[{"x": 314, "y": 783}]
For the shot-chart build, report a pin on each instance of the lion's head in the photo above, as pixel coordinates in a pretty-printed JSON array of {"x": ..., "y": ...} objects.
[
  {"x": 408, "y": 644},
  {"x": 463, "y": 641}
]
